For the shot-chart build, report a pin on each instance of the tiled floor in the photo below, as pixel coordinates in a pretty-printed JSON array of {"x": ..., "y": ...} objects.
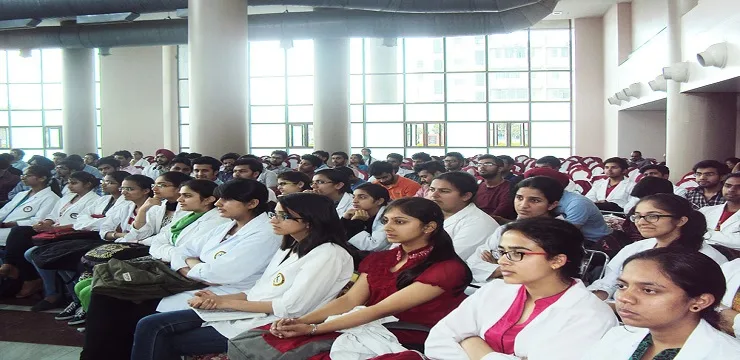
[{"x": 24, "y": 351}]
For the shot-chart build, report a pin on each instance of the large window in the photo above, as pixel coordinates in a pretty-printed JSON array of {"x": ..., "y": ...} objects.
[{"x": 31, "y": 101}]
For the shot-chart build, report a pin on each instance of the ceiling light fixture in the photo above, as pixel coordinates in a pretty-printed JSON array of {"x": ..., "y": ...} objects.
[{"x": 715, "y": 55}]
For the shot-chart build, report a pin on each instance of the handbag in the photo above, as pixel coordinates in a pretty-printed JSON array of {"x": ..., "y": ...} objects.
[
  {"x": 103, "y": 253},
  {"x": 60, "y": 234},
  {"x": 62, "y": 255},
  {"x": 140, "y": 280}
]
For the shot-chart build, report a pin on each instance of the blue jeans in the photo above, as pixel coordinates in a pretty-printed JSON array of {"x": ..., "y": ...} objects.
[
  {"x": 169, "y": 335},
  {"x": 50, "y": 278}
]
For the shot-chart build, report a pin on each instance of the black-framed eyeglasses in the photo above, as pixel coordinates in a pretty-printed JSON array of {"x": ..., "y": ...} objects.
[
  {"x": 282, "y": 216},
  {"x": 320, "y": 182},
  {"x": 650, "y": 218},
  {"x": 513, "y": 255}
]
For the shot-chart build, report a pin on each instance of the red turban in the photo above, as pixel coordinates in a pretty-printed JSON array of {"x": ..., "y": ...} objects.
[{"x": 168, "y": 154}]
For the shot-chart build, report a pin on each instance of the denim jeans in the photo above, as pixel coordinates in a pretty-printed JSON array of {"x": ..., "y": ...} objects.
[
  {"x": 169, "y": 335},
  {"x": 50, "y": 278}
]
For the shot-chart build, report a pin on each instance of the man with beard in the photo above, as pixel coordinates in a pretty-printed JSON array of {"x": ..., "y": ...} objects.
[
  {"x": 494, "y": 195},
  {"x": 709, "y": 175},
  {"x": 162, "y": 158},
  {"x": 454, "y": 161},
  {"x": 227, "y": 166},
  {"x": 277, "y": 162},
  {"x": 612, "y": 193},
  {"x": 427, "y": 172},
  {"x": 398, "y": 186},
  {"x": 723, "y": 221}
]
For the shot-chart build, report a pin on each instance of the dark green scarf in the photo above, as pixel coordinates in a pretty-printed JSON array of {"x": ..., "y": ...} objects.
[{"x": 181, "y": 224}]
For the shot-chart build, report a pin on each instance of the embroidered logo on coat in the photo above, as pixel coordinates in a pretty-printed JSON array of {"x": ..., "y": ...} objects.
[
  {"x": 220, "y": 253},
  {"x": 28, "y": 209},
  {"x": 74, "y": 215},
  {"x": 278, "y": 280},
  {"x": 127, "y": 276}
]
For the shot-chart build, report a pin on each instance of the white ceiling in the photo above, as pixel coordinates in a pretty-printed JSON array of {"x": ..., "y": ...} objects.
[{"x": 572, "y": 9}]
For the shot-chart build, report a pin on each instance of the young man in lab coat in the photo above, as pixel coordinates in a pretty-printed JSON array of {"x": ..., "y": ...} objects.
[
  {"x": 723, "y": 221},
  {"x": 612, "y": 193}
]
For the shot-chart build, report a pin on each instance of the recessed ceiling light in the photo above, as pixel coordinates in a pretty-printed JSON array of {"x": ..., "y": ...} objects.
[{"x": 557, "y": 13}]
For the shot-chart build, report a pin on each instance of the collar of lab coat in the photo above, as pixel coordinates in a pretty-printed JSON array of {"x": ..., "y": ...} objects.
[
  {"x": 465, "y": 212},
  {"x": 713, "y": 213}
]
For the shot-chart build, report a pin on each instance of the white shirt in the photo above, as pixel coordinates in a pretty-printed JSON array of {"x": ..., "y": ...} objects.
[
  {"x": 620, "y": 195},
  {"x": 609, "y": 282},
  {"x": 377, "y": 241},
  {"x": 704, "y": 343},
  {"x": 345, "y": 203},
  {"x": 142, "y": 163},
  {"x": 481, "y": 269},
  {"x": 153, "y": 171},
  {"x": 292, "y": 288},
  {"x": 154, "y": 220},
  {"x": 562, "y": 331},
  {"x": 469, "y": 228},
  {"x": 67, "y": 216},
  {"x": 33, "y": 210},
  {"x": 268, "y": 178},
  {"x": 729, "y": 232},
  {"x": 131, "y": 170},
  {"x": 86, "y": 221},
  {"x": 234, "y": 263},
  {"x": 163, "y": 247},
  {"x": 732, "y": 276}
]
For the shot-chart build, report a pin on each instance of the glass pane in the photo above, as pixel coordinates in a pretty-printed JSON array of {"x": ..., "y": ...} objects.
[
  {"x": 184, "y": 136},
  {"x": 24, "y": 70},
  {"x": 425, "y": 112},
  {"x": 499, "y": 134},
  {"x": 356, "y": 113},
  {"x": 53, "y": 137},
  {"x": 513, "y": 152},
  {"x": 3, "y": 66},
  {"x": 266, "y": 58},
  {"x": 384, "y": 135},
  {"x": 505, "y": 87},
  {"x": 415, "y": 135},
  {"x": 357, "y": 135},
  {"x": 53, "y": 97},
  {"x": 97, "y": 95},
  {"x": 519, "y": 134},
  {"x": 550, "y": 111},
  {"x": 5, "y": 139},
  {"x": 98, "y": 118},
  {"x": 267, "y": 91},
  {"x": 300, "y": 90},
  {"x": 52, "y": 65},
  {"x": 382, "y": 153},
  {"x": 556, "y": 152},
  {"x": 25, "y": 97},
  {"x": 355, "y": 89},
  {"x": 435, "y": 135},
  {"x": 466, "y": 87},
  {"x": 550, "y": 49},
  {"x": 3, "y": 95},
  {"x": 268, "y": 135},
  {"x": 300, "y": 58},
  {"x": 507, "y": 112},
  {"x": 508, "y": 51},
  {"x": 466, "y": 134},
  {"x": 438, "y": 151},
  {"x": 425, "y": 88},
  {"x": 53, "y": 118},
  {"x": 4, "y": 118},
  {"x": 466, "y": 53},
  {"x": 184, "y": 116},
  {"x": 303, "y": 114},
  {"x": 184, "y": 92},
  {"x": 267, "y": 114},
  {"x": 551, "y": 134},
  {"x": 383, "y": 88},
  {"x": 310, "y": 135},
  {"x": 25, "y": 118},
  {"x": 355, "y": 56},
  {"x": 297, "y": 136},
  {"x": 27, "y": 137},
  {"x": 551, "y": 86},
  {"x": 384, "y": 113},
  {"x": 381, "y": 59},
  {"x": 182, "y": 62},
  {"x": 469, "y": 152},
  {"x": 424, "y": 55},
  {"x": 466, "y": 112}
]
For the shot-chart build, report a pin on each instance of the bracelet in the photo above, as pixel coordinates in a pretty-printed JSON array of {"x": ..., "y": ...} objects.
[{"x": 313, "y": 330}]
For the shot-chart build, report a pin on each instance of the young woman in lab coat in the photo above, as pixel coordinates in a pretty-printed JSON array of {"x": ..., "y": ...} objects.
[
  {"x": 535, "y": 197},
  {"x": 419, "y": 282},
  {"x": 291, "y": 182},
  {"x": 666, "y": 298},
  {"x": 363, "y": 221},
  {"x": 468, "y": 226},
  {"x": 665, "y": 220},
  {"x": 313, "y": 247},
  {"x": 539, "y": 311},
  {"x": 334, "y": 184},
  {"x": 30, "y": 206},
  {"x": 92, "y": 217},
  {"x": 161, "y": 209},
  {"x": 230, "y": 258},
  {"x": 730, "y": 308},
  {"x": 136, "y": 190}
]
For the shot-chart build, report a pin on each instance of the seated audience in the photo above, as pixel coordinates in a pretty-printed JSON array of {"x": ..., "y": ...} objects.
[
  {"x": 612, "y": 193},
  {"x": 539, "y": 301},
  {"x": 636, "y": 160},
  {"x": 162, "y": 162},
  {"x": 18, "y": 155},
  {"x": 363, "y": 222},
  {"x": 709, "y": 175},
  {"x": 732, "y": 162},
  {"x": 454, "y": 161},
  {"x": 467, "y": 225},
  {"x": 92, "y": 170},
  {"x": 354, "y": 181},
  {"x": 356, "y": 162},
  {"x": 181, "y": 164},
  {"x": 427, "y": 171},
  {"x": 124, "y": 157},
  {"x": 91, "y": 159},
  {"x": 226, "y": 171},
  {"x": 324, "y": 157},
  {"x": 57, "y": 157},
  {"x": 247, "y": 168},
  {"x": 723, "y": 221},
  {"x": 661, "y": 171},
  {"x": 107, "y": 165},
  {"x": 161, "y": 209},
  {"x": 553, "y": 163},
  {"x": 8, "y": 180},
  {"x": 417, "y": 159},
  {"x": 534, "y": 197},
  {"x": 64, "y": 169},
  {"x": 136, "y": 190},
  {"x": 398, "y": 186},
  {"x": 396, "y": 160},
  {"x": 366, "y": 157},
  {"x": 665, "y": 220},
  {"x": 313, "y": 246},
  {"x": 276, "y": 163},
  {"x": 335, "y": 185},
  {"x": 419, "y": 282},
  {"x": 290, "y": 182},
  {"x": 267, "y": 177},
  {"x": 139, "y": 161},
  {"x": 29, "y": 207},
  {"x": 506, "y": 173},
  {"x": 339, "y": 158},
  {"x": 309, "y": 164},
  {"x": 729, "y": 310},
  {"x": 666, "y": 298},
  {"x": 493, "y": 196},
  {"x": 206, "y": 168},
  {"x": 648, "y": 186}
]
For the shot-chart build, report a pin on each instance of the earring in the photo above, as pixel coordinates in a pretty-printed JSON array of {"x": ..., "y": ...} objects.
[{"x": 695, "y": 308}]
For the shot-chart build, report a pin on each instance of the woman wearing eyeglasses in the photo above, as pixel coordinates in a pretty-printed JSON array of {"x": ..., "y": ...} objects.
[
  {"x": 311, "y": 267},
  {"x": 291, "y": 182},
  {"x": 335, "y": 185},
  {"x": 136, "y": 190},
  {"x": 665, "y": 220},
  {"x": 161, "y": 209},
  {"x": 539, "y": 311}
]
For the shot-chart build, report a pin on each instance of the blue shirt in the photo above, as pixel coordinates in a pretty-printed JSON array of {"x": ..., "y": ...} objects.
[
  {"x": 93, "y": 171},
  {"x": 20, "y": 165},
  {"x": 358, "y": 183},
  {"x": 580, "y": 211}
]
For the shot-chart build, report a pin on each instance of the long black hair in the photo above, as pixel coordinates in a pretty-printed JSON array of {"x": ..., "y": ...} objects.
[
  {"x": 204, "y": 188},
  {"x": 86, "y": 178},
  {"x": 337, "y": 176},
  {"x": 245, "y": 190},
  {"x": 176, "y": 178},
  {"x": 44, "y": 172},
  {"x": 690, "y": 270},
  {"x": 296, "y": 177},
  {"x": 462, "y": 181},
  {"x": 549, "y": 187},
  {"x": 692, "y": 233},
  {"x": 428, "y": 211},
  {"x": 143, "y": 182}
]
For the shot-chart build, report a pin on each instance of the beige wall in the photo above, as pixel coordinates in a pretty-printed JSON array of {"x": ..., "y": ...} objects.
[
  {"x": 131, "y": 99},
  {"x": 644, "y": 131},
  {"x": 588, "y": 90},
  {"x": 649, "y": 17}
]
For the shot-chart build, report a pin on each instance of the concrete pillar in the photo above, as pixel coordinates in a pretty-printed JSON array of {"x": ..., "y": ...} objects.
[
  {"x": 217, "y": 39},
  {"x": 331, "y": 126},
  {"x": 78, "y": 107},
  {"x": 170, "y": 114},
  {"x": 382, "y": 59}
]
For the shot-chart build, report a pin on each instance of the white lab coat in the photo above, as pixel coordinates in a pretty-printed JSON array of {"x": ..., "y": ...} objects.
[
  {"x": 345, "y": 203},
  {"x": 69, "y": 215},
  {"x": 271, "y": 196},
  {"x": 481, "y": 269},
  {"x": 377, "y": 241},
  {"x": 365, "y": 341},
  {"x": 142, "y": 163},
  {"x": 232, "y": 265},
  {"x": 33, "y": 210},
  {"x": 620, "y": 195},
  {"x": 631, "y": 203},
  {"x": 732, "y": 276},
  {"x": 163, "y": 248},
  {"x": 292, "y": 286},
  {"x": 563, "y": 331},
  {"x": 704, "y": 343},
  {"x": 86, "y": 221},
  {"x": 118, "y": 217},
  {"x": 154, "y": 219},
  {"x": 609, "y": 282},
  {"x": 729, "y": 232},
  {"x": 469, "y": 228},
  {"x": 153, "y": 171}
]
